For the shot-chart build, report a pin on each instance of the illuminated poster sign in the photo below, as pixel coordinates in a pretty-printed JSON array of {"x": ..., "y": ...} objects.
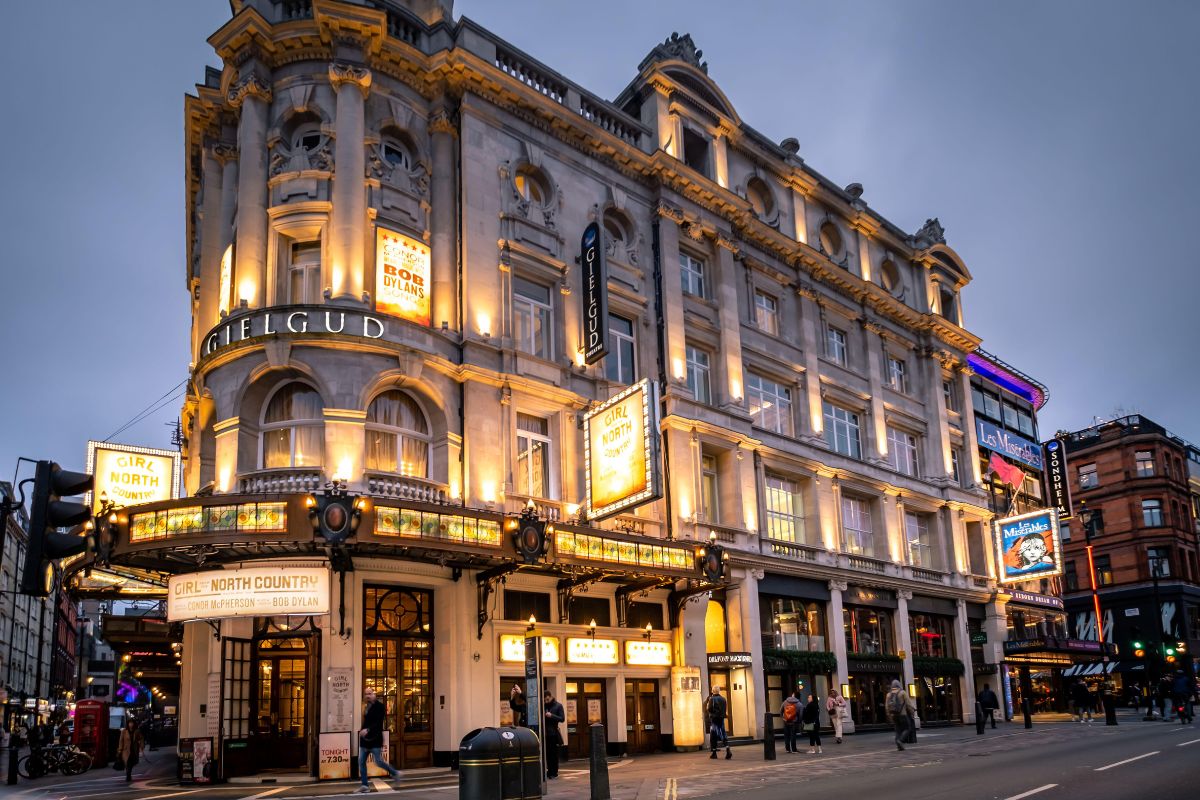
[
  {"x": 248, "y": 592},
  {"x": 333, "y": 756},
  {"x": 1027, "y": 546},
  {"x": 1058, "y": 488},
  {"x": 647, "y": 654},
  {"x": 621, "y": 451},
  {"x": 512, "y": 648},
  {"x": 402, "y": 276},
  {"x": 1009, "y": 444},
  {"x": 224, "y": 300},
  {"x": 595, "y": 294},
  {"x": 129, "y": 476},
  {"x": 592, "y": 651}
]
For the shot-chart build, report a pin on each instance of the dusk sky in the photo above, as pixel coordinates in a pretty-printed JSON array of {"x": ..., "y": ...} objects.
[{"x": 1054, "y": 140}]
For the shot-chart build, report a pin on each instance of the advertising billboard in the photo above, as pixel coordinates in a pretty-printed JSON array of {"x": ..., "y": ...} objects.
[
  {"x": 128, "y": 475},
  {"x": 1027, "y": 546},
  {"x": 1009, "y": 444},
  {"x": 1058, "y": 488},
  {"x": 621, "y": 451},
  {"x": 402, "y": 274},
  {"x": 248, "y": 592}
]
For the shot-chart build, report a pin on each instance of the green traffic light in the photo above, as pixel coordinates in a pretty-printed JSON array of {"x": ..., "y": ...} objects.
[{"x": 1138, "y": 645}]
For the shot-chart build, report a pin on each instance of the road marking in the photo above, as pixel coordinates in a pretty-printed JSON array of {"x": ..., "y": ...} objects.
[
  {"x": 671, "y": 790},
  {"x": 1032, "y": 791},
  {"x": 267, "y": 793},
  {"x": 1182, "y": 744},
  {"x": 172, "y": 794},
  {"x": 1098, "y": 769}
]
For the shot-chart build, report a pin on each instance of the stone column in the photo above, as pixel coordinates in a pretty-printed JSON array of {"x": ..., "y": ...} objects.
[
  {"x": 894, "y": 526},
  {"x": 348, "y": 218},
  {"x": 903, "y": 635},
  {"x": 962, "y": 651},
  {"x": 208, "y": 275},
  {"x": 937, "y": 449},
  {"x": 970, "y": 435},
  {"x": 668, "y": 239},
  {"x": 810, "y": 340},
  {"x": 253, "y": 96},
  {"x": 799, "y": 216},
  {"x": 837, "y": 643},
  {"x": 876, "y": 450},
  {"x": 731, "y": 327},
  {"x": 443, "y": 221},
  {"x": 744, "y": 637}
]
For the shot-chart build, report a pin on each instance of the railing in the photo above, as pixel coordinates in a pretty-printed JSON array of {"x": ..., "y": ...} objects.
[
  {"x": 865, "y": 564},
  {"x": 631, "y": 524},
  {"x": 405, "y": 487},
  {"x": 281, "y": 481},
  {"x": 931, "y": 575},
  {"x": 981, "y": 581},
  {"x": 549, "y": 510},
  {"x": 799, "y": 552},
  {"x": 401, "y": 28},
  {"x": 295, "y": 9},
  {"x": 511, "y": 64},
  {"x": 598, "y": 114}
]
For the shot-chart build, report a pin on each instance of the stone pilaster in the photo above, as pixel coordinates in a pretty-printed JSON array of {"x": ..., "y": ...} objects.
[
  {"x": 734, "y": 390},
  {"x": 253, "y": 96},
  {"x": 348, "y": 218},
  {"x": 876, "y": 450},
  {"x": 837, "y": 643},
  {"x": 962, "y": 651},
  {"x": 810, "y": 339},
  {"x": 211, "y": 248},
  {"x": 970, "y": 435},
  {"x": 903, "y": 635},
  {"x": 937, "y": 442},
  {"x": 443, "y": 221}
]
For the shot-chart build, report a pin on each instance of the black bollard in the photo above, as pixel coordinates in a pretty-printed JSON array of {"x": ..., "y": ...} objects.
[
  {"x": 978, "y": 719},
  {"x": 14, "y": 751},
  {"x": 598, "y": 764},
  {"x": 1025, "y": 712},
  {"x": 768, "y": 737},
  {"x": 1110, "y": 708}
]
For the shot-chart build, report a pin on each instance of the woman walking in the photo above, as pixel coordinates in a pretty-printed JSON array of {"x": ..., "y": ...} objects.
[
  {"x": 811, "y": 717},
  {"x": 834, "y": 705},
  {"x": 130, "y": 747}
]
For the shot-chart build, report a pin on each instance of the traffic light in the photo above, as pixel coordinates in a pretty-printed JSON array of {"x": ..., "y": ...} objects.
[
  {"x": 529, "y": 537},
  {"x": 1139, "y": 649},
  {"x": 334, "y": 514},
  {"x": 47, "y": 514}
]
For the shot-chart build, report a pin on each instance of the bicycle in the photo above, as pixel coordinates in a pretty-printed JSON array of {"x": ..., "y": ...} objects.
[{"x": 65, "y": 758}]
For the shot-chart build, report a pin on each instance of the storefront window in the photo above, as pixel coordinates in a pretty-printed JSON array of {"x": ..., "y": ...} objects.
[
  {"x": 789, "y": 624},
  {"x": 931, "y": 635},
  {"x": 937, "y": 698},
  {"x": 867, "y": 630},
  {"x": 1034, "y": 623}
]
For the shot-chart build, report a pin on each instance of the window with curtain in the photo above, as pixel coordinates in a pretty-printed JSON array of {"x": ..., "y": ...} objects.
[
  {"x": 917, "y": 538},
  {"x": 293, "y": 428},
  {"x": 785, "y": 510},
  {"x": 710, "y": 495},
  {"x": 1152, "y": 513},
  {"x": 698, "y": 374},
  {"x": 902, "y": 451},
  {"x": 397, "y": 435},
  {"x": 532, "y": 318},
  {"x": 766, "y": 312},
  {"x": 692, "y": 275},
  {"x": 304, "y": 272},
  {"x": 533, "y": 456},
  {"x": 858, "y": 536}
]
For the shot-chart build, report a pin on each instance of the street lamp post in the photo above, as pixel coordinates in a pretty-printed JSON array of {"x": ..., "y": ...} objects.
[
  {"x": 1090, "y": 519},
  {"x": 1155, "y": 573}
]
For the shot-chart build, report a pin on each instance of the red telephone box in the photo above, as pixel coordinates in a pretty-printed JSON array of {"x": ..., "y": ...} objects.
[{"x": 91, "y": 729}]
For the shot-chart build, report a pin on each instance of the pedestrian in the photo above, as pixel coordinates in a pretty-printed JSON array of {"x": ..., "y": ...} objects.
[
  {"x": 988, "y": 703},
  {"x": 811, "y": 717},
  {"x": 1082, "y": 700},
  {"x": 716, "y": 707},
  {"x": 790, "y": 711},
  {"x": 64, "y": 733},
  {"x": 130, "y": 746},
  {"x": 519, "y": 706},
  {"x": 835, "y": 706},
  {"x": 555, "y": 716},
  {"x": 1135, "y": 696},
  {"x": 1181, "y": 695},
  {"x": 1164, "y": 694},
  {"x": 899, "y": 708},
  {"x": 370, "y": 740}
]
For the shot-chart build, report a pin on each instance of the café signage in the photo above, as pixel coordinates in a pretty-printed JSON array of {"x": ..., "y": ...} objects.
[
  {"x": 621, "y": 451},
  {"x": 1009, "y": 444},
  {"x": 248, "y": 592},
  {"x": 1027, "y": 546},
  {"x": 1058, "y": 488},
  {"x": 294, "y": 320},
  {"x": 402, "y": 276},
  {"x": 595, "y": 294},
  {"x": 128, "y": 475},
  {"x": 730, "y": 660}
]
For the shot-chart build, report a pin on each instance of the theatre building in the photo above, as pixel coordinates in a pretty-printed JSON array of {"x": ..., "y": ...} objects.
[{"x": 747, "y": 433}]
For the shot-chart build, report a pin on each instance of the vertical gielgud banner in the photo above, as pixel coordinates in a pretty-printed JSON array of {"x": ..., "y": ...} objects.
[
  {"x": 595, "y": 294},
  {"x": 402, "y": 270}
]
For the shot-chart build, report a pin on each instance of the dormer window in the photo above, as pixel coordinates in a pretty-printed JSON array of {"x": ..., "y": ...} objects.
[
  {"x": 948, "y": 305},
  {"x": 695, "y": 151}
]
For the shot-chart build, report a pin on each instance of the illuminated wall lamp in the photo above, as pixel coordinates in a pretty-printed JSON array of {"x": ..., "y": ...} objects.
[
  {"x": 592, "y": 630},
  {"x": 532, "y": 623},
  {"x": 648, "y": 632}
]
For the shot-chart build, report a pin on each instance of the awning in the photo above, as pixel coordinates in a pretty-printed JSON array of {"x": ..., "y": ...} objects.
[{"x": 1102, "y": 668}]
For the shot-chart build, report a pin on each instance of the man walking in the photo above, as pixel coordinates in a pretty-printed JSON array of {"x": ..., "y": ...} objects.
[
  {"x": 899, "y": 707},
  {"x": 790, "y": 711},
  {"x": 716, "y": 708},
  {"x": 1082, "y": 699},
  {"x": 370, "y": 740},
  {"x": 988, "y": 702}
]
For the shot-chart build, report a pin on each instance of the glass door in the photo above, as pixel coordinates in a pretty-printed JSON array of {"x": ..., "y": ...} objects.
[{"x": 398, "y": 664}]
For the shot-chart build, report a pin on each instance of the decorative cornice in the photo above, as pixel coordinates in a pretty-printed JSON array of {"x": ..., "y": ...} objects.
[
  {"x": 904, "y": 594},
  {"x": 249, "y": 86},
  {"x": 341, "y": 73},
  {"x": 668, "y": 211}
]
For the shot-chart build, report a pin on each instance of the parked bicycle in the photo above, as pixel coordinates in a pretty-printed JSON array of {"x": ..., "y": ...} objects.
[{"x": 65, "y": 758}]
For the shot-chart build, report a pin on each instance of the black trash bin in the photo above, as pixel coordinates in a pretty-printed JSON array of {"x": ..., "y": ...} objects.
[{"x": 499, "y": 764}]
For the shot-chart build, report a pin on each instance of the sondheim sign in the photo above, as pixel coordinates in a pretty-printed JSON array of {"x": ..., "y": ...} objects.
[
  {"x": 248, "y": 592},
  {"x": 293, "y": 320}
]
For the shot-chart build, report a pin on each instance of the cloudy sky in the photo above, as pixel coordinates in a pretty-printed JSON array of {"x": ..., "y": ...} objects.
[{"x": 1054, "y": 140}]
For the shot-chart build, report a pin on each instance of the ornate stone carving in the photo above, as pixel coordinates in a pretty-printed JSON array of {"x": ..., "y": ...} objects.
[
  {"x": 414, "y": 180},
  {"x": 341, "y": 73},
  {"x": 442, "y": 121},
  {"x": 806, "y": 291},
  {"x": 758, "y": 574},
  {"x": 904, "y": 594},
  {"x": 684, "y": 49},
  {"x": 670, "y": 212},
  {"x": 838, "y": 586},
  {"x": 249, "y": 86},
  {"x": 693, "y": 231},
  {"x": 930, "y": 233},
  {"x": 225, "y": 153},
  {"x": 874, "y": 327}
]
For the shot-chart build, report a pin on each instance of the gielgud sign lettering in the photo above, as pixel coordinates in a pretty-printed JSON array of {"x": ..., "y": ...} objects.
[
  {"x": 251, "y": 591},
  {"x": 293, "y": 320}
]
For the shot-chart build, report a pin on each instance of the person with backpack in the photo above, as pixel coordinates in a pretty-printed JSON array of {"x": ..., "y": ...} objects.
[
  {"x": 899, "y": 708},
  {"x": 835, "y": 706},
  {"x": 717, "y": 707},
  {"x": 811, "y": 718},
  {"x": 791, "y": 721},
  {"x": 988, "y": 703}
]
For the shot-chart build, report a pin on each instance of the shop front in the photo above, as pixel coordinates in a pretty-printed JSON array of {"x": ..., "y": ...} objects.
[
  {"x": 1037, "y": 653},
  {"x": 937, "y": 671},
  {"x": 795, "y": 641}
]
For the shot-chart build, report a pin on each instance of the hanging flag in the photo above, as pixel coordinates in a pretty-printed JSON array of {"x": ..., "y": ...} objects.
[{"x": 1011, "y": 474}]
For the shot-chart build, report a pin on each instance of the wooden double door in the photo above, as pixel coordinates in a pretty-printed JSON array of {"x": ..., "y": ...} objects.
[
  {"x": 586, "y": 702},
  {"x": 642, "y": 727},
  {"x": 398, "y": 665}
]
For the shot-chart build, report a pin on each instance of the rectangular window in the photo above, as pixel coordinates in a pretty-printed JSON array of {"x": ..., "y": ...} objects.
[
  {"x": 766, "y": 313},
  {"x": 770, "y": 404},
  {"x": 1104, "y": 573},
  {"x": 902, "y": 451},
  {"x": 710, "y": 494},
  {"x": 898, "y": 375},
  {"x": 857, "y": 534},
  {"x": 867, "y": 630},
  {"x": 582, "y": 610},
  {"x": 1064, "y": 531},
  {"x": 304, "y": 272},
  {"x": 977, "y": 399},
  {"x": 698, "y": 374},
  {"x": 1145, "y": 463},
  {"x": 949, "y": 395},
  {"x": 1010, "y": 417},
  {"x": 692, "y": 275},
  {"x": 835, "y": 346},
  {"x": 532, "y": 318},
  {"x": 841, "y": 430},
  {"x": 1088, "y": 479},
  {"x": 1152, "y": 515},
  {"x": 520, "y": 606},
  {"x": 1070, "y": 577},
  {"x": 619, "y": 364},
  {"x": 785, "y": 510},
  {"x": 991, "y": 405},
  {"x": 695, "y": 151},
  {"x": 956, "y": 466},
  {"x": 533, "y": 456},
  {"x": 1025, "y": 422},
  {"x": 916, "y": 534},
  {"x": 1159, "y": 560}
]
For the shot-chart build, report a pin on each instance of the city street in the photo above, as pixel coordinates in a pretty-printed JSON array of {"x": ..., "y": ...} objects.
[{"x": 1054, "y": 760}]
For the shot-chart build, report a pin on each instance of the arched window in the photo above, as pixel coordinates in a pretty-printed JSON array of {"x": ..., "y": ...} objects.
[
  {"x": 831, "y": 240},
  {"x": 397, "y": 435},
  {"x": 531, "y": 186},
  {"x": 761, "y": 199},
  {"x": 302, "y": 133},
  {"x": 398, "y": 150},
  {"x": 293, "y": 428}
]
